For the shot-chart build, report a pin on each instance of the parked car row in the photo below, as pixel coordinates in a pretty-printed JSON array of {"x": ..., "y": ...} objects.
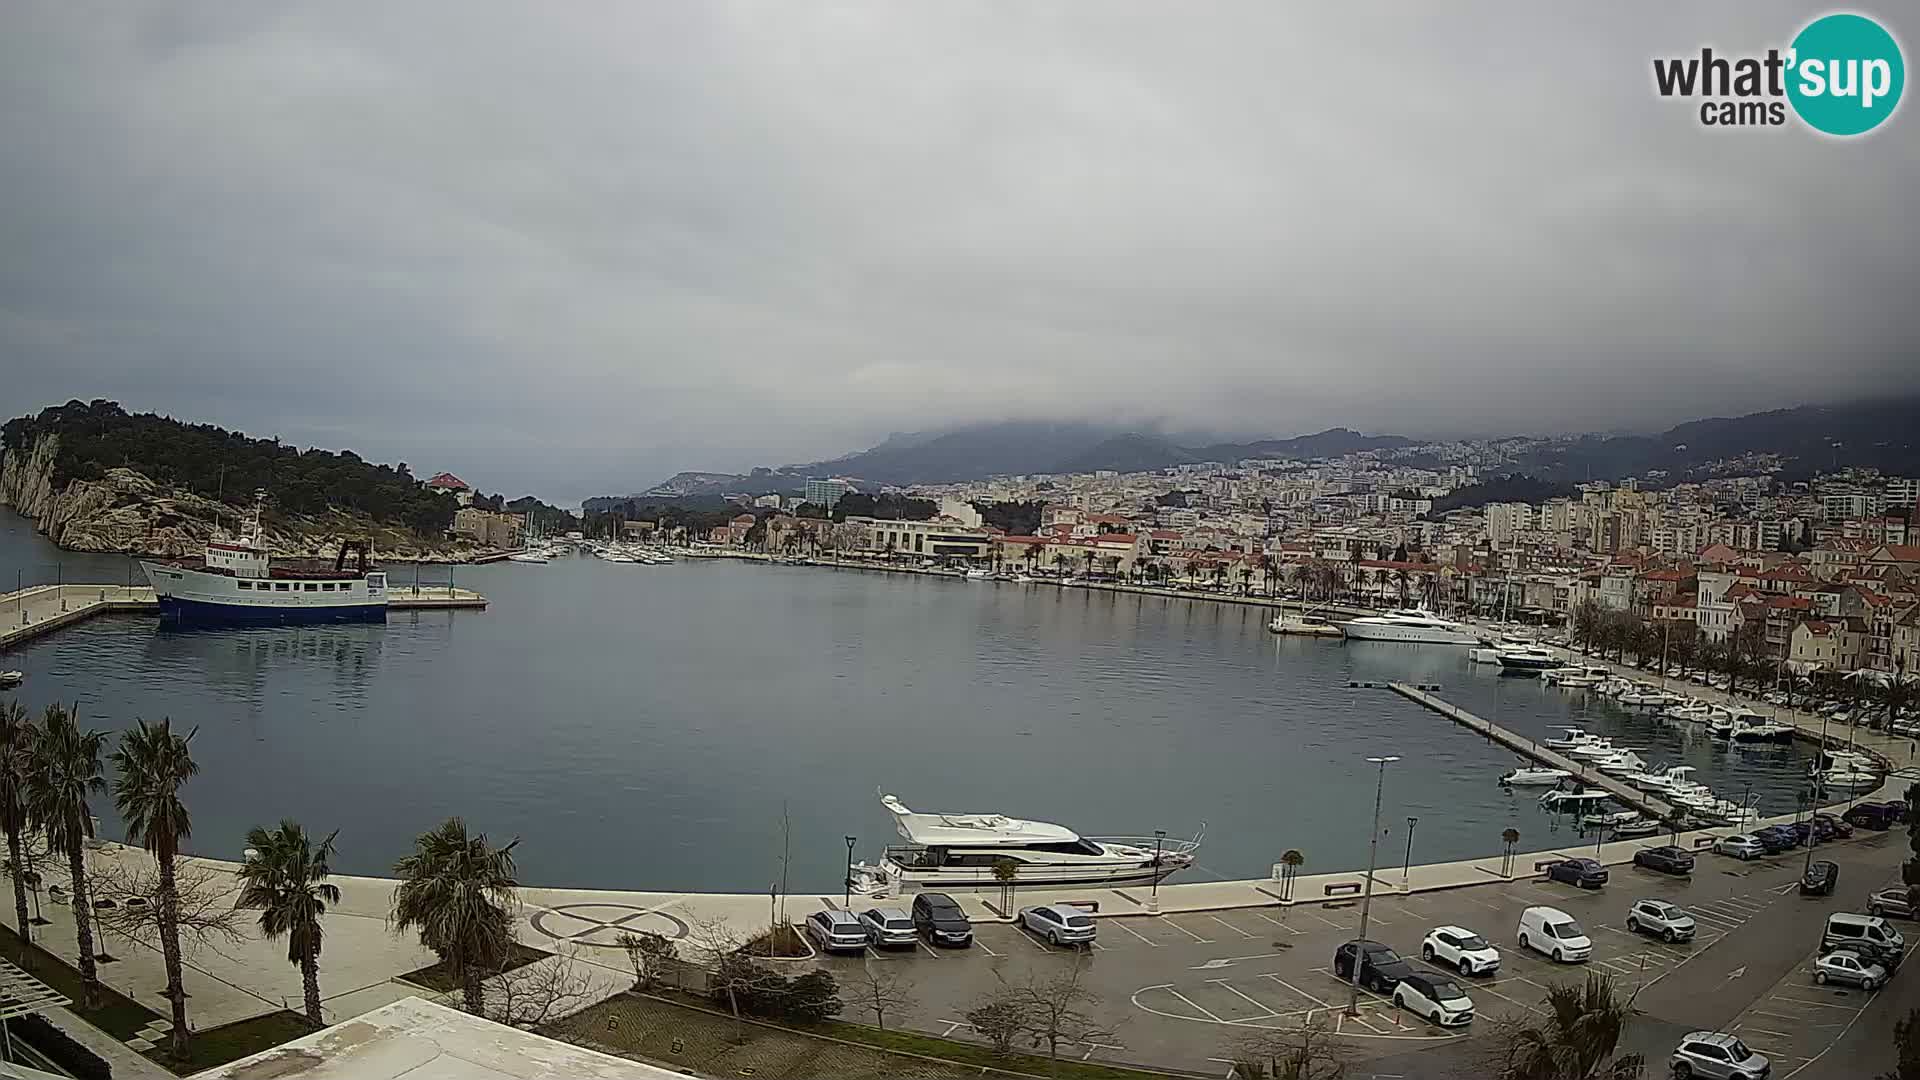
[{"x": 936, "y": 919}]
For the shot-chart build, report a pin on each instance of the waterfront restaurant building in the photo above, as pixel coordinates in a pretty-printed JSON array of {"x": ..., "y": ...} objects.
[{"x": 941, "y": 538}]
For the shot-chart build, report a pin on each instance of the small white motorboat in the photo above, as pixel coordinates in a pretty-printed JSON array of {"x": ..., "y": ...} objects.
[
  {"x": 1626, "y": 830},
  {"x": 1609, "y": 820},
  {"x": 1534, "y": 776},
  {"x": 11, "y": 679},
  {"x": 979, "y": 575},
  {"x": 1574, "y": 737},
  {"x": 1621, "y": 764},
  {"x": 1849, "y": 779}
]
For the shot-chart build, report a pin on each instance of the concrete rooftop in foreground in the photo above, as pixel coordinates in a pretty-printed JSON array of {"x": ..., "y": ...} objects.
[{"x": 423, "y": 1041}]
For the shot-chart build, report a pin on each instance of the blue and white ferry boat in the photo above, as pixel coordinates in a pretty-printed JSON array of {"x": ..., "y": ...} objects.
[{"x": 238, "y": 584}]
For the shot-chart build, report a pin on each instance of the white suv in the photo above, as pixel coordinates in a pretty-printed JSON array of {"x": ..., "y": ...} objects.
[
  {"x": 1720, "y": 1057},
  {"x": 1663, "y": 920},
  {"x": 1468, "y": 952}
]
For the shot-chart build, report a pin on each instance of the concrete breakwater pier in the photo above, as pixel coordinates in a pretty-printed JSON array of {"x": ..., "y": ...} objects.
[{"x": 29, "y": 613}]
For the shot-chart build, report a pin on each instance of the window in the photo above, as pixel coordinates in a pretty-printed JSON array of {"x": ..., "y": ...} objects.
[
  {"x": 281, "y": 586},
  {"x": 327, "y": 586},
  {"x": 1079, "y": 922},
  {"x": 246, "y": 584},
  {"x": 311, "y": 587},
  {"x": 1710, "y": 1052}
]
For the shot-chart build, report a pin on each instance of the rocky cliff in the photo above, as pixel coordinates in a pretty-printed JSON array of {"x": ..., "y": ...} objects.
[{"x": 125, "y": 511}]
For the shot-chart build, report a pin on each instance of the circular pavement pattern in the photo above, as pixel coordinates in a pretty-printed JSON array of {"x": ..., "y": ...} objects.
[{"x": 601, "y": 925}]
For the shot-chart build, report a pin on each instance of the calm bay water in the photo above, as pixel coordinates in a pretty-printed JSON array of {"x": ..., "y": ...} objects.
[{"x": 642, "y": 727}]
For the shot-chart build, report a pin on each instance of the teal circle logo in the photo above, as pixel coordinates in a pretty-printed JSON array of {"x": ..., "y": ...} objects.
[{"x": 1846, "y": 74}]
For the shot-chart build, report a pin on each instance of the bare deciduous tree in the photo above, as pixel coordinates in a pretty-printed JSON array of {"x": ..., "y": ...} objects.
[
  {"x": 203, "y": 898},
  {"x": 996, "y": 1019},
  {"x": 649, "y": 953},
  {"x": 731, "y": 974},
  {"x": 538, "y": 993},
  {"x": 882, "y": 991},
  {"x": 1056, "y": 1008},
  {"x": 1305, "y": 1051}
]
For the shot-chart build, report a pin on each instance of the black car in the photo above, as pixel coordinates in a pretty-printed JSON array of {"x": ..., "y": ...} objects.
[
  {"x": 1873, "y": 815},
  {"x": 1586, "y": 873},
  {"x": 1381, "y": 969},
  {"x": 1839, "y": 826},
  {"x": 938, "y": 919},
  {"x": 1820, "y": 879},
  {"x": 1667, "y": 860}
]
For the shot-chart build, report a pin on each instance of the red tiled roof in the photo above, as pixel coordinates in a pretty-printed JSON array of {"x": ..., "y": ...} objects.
[
  {"x": 448, "y": 480},
  {"x": 1023, "y": 539},
  {"x": 1165, "y": 534},
  {"x": 1903, "y": 552},
  {"x": 1115, "y": 538}
]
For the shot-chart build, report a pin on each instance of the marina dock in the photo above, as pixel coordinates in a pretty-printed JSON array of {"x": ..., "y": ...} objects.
[
  {"x": 29, "y": 613},
  {"x": 1530, "y": 748}
]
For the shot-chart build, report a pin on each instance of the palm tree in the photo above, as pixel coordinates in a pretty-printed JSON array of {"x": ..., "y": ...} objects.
[
  {"x": 454, "y": 889},
  {"x": 1574, "y": 1040},
  {"x": 287, "y": 881},
  {"x": 63, "y": 772},
  {"x": 1062, "y": 560},
  {"x": 16, "y": 757},
  {"x": 152, "y": 762},
  {"x": 1402, "y": 578}
]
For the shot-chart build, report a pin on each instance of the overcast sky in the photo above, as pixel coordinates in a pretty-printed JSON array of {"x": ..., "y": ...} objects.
[{"x": 574, "y": 247}]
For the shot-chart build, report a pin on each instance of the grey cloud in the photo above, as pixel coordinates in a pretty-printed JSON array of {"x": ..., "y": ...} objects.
[{"x": 574, "y": 247}]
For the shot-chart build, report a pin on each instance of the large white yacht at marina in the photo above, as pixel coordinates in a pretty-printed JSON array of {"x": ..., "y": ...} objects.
[
  {"x": 962, "y": 852},
  {"x": 1415, "y": 626}
]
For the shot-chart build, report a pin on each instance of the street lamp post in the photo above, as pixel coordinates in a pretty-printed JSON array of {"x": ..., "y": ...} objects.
[
  {"x": 1366, "y": 898},
  {"x": 1153, "y": 894},
  {"x": 1406, "y": 868},
  {"x": 846, "y": 901}
]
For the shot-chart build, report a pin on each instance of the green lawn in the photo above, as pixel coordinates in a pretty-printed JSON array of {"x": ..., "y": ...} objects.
[
  {"x": 914, "y": 1042},
  {"x": 217, "y": 1046},
  {"x": 118, "y": 1015},
  {"x": 440, "y": 976}
]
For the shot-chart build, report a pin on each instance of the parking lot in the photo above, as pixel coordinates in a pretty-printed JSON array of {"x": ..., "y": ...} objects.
[{"x": 1178, "y": 989}]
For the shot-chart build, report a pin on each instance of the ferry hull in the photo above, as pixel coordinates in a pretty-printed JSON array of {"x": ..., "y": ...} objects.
[{"x": 203, "y": 612}]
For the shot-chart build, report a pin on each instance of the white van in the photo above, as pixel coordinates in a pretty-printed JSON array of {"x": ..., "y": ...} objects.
[
  {"x": 1847, "y": 928},
  {"x": 1552, "y": 932}
]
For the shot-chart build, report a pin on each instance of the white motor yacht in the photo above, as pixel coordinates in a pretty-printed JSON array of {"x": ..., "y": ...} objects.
[
  {"x": 1621, "y": 764},
  {"x": 962, "y": 852},
  {"x": 1642, "y": 696},
  {"x": 527, "y": 557},
  {"x": 1690, "y": 710},
  {"x": 1663, "y": 782},
  {"x": 1746, "y": 730},
  {"x": 1595, "y": 750},
  {"x": 1527, "y": 658},
  {"x": 1574, "y": 737},
  {"x": 1414, "y": 626},
  {"x": 1573, "y": 800},
  {"x": 979, "y": 575},
  {"x": 1849, "y": 779},
  {"x": 1534, "y": 776}
]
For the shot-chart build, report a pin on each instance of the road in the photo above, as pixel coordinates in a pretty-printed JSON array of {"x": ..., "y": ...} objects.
[{"x": 1179, "y": 989}]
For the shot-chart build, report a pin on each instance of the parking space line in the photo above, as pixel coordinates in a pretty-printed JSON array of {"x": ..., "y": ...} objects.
[
  {"x": 1478, "y": 987},
  {"x": 1204, "y": 1012},
  {"x": 1482, "y": 903},
  {"x": 1741, "y": 901},
  {"x": 1297, "y": 990},
  {"x": 1122, "y": 924},
  {"x": 1784, "y": 1016},
  {"x": 1714, "y": 918},
  {"x": 1229, "y": 926},
  {"x": 1229, "y": 988},
  {"x": 983, "y": 946},
  {"x": 1029, "y": 939},
  {"x": 1763, "y": 1031},
  {"x": 1328, "y": 921},
  {"x": 1189, "y": 933},
  {"x": 1822, "y": 1004},
  {"x": 1278, "y": 922},
  {"x": 936, "y": 955}
]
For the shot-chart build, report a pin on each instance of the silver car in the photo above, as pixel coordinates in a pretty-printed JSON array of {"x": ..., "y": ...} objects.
[
  {"x": 1847, "y": 966},
  {"x": 1661, "y": 919},
  {"x": 1720, "y": 1057},
  {"x": 836, "y": 931},
  {"x": 1740, "y": 846},
  {"x": 888, "y": 927},
  {"x": 1060, "y": 925}
]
